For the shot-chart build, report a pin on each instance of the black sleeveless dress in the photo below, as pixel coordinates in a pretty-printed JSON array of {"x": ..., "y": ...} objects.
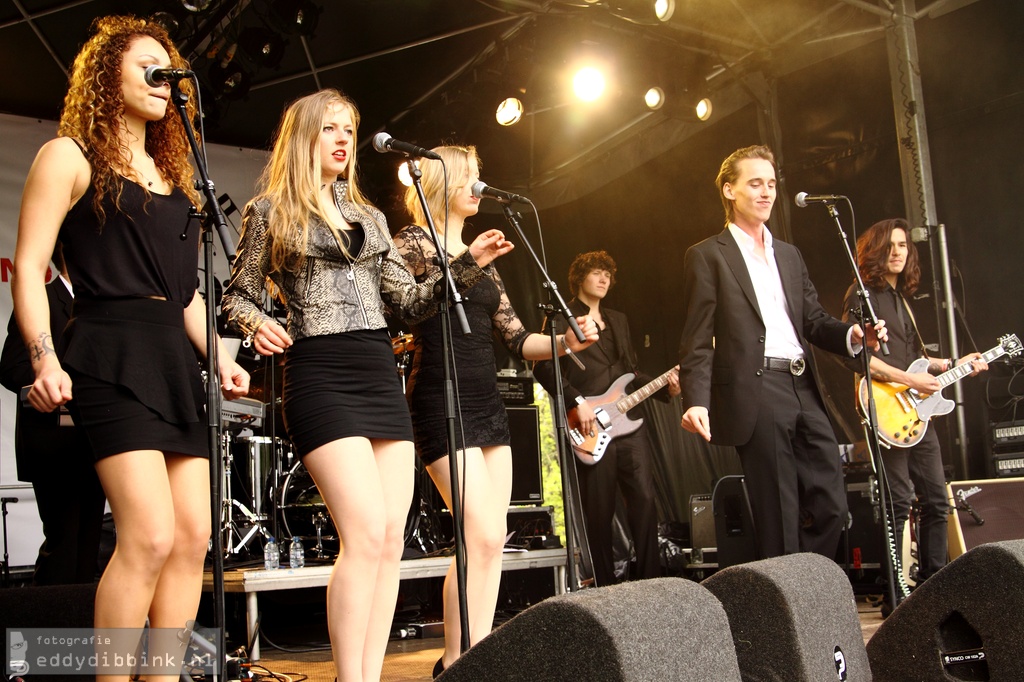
[
  {"x": 135, "y": 376},
  {"x": 482, "y": 420}
]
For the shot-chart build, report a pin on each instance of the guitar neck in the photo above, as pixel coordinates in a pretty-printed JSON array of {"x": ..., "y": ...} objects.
[
  {"x": 957, "y": 373},
  {"x": 641, "y": 394}
]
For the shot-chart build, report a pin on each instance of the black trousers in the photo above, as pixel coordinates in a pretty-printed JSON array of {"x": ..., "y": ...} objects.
[
  {"x": 71, "y": 508},
  {"x": 793, "y": 470},
  {"x": 625, "y": 466},
  {"x": 917, "y": 472}
]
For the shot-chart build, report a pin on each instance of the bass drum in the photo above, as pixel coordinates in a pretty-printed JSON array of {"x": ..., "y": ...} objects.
[{"x": 303, "y": 513}]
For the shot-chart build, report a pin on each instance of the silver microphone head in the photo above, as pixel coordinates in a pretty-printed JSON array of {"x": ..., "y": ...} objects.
[
  {"x": 380, "y": 142},
  {"x": 478, "y": 189}
]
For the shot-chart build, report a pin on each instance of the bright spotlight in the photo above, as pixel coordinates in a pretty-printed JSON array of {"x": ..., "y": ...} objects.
[
  {"x": 654, "y": 98},
  {"x": 703, "y": 109},
  {"x": 404, "y": 174},
  {"x": 509, "y": 112},
  {"x": 588, "y": 84},
  {"x": 663, "y": 9}
]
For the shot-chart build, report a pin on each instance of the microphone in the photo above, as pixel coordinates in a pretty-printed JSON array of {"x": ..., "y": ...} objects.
[
  {"x": 803, "y": 198},
  {"x": 384, "y": 143},
  {"x": 158, "y": 75},
  {"x": 481, "y": 191}
]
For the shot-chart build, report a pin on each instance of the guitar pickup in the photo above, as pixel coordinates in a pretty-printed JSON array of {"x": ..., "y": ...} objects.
[
  {"x": 602, "y": 418},
  {"x": 576, "y": 437}
]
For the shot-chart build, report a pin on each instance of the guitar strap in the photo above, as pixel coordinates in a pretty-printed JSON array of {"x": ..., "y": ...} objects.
[{"x": 899, "y": 310}]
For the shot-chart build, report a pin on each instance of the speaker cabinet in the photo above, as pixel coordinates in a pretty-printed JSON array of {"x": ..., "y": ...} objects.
[
  {"x": 963, "y": 623},
  {"x": 524, "y": 427},
  {"x": 702, "y": 522},
  {"x": 996, "y": 504},
  {"x": 792, "y": 618},
  {"x": 734, "y": 523},
  {"x": 658, "y": 629}
]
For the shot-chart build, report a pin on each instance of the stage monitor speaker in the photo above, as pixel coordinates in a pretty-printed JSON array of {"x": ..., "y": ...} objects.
[
  {"x": 793, "y": 618},
  {"x": 985, "y": 511},
  {"x": 50, "y": 606},
  {"x": 658, "y": 629},
  {"x": 963, "y": 623},
  {"x": 527, "y": 482},
  {"x": 734, "y": 524}
]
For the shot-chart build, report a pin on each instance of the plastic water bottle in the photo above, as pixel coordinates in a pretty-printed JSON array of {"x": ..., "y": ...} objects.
[
  {"x": 271, "y": 557},
  {"x": 296, "y": 554}
]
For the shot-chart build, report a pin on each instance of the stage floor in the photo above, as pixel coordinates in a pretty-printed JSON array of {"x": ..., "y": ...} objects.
[{"x": 411, "y": 660}]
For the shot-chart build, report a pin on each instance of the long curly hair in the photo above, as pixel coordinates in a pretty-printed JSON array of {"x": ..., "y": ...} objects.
[
  {"x": 873, "y": 249},
  {"x": 585, "y": 263},
  {"x": 94, "y": 109},
  {"x": 291, "y": 180},
  {"x": 456, "y": 160}
]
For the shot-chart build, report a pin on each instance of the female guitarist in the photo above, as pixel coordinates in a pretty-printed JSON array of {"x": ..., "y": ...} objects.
[
  {"x": 888, "y": 264},
  {"x": 626, "y": 460}
]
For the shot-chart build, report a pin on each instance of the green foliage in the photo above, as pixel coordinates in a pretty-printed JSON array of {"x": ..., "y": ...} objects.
[{"x": 551, "y": 470}]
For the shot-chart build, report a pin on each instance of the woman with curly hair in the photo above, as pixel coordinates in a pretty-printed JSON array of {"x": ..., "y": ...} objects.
[
  {"x": 485, "y": 457},
  {"x": 315, "y": 240},
  {"x": 115, "y": 189}
]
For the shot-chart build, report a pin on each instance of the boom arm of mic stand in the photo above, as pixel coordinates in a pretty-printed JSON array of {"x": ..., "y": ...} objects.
[
  {"x": 513, "y": 220},
  {"x": 213, "y": 399}
]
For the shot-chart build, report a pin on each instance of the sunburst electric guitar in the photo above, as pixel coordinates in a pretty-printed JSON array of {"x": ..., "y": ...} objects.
[
  {"x": 903, "y": 412},
  {"x": 610, "y": 410}
]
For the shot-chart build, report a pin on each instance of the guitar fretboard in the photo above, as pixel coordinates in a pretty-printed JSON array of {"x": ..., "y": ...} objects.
[
  {"x": 960, "y": 371},
  {"x": 641, "y": 394}
]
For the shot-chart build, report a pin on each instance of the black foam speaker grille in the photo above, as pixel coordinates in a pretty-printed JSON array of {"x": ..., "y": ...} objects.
[
  {"x": 660, "y": 629},
  {"x": 963, "y": 623},
  {"x": 524, "y": 427},
  {"x": 793, "y": 618}
]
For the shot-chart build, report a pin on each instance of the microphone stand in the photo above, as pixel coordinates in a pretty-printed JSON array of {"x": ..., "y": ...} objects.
[
  {"x": 212, "y": 213},
  {"x": 449, "y": 403},
  {"x": 561, "y": 431},
  {"x": 867, "y": 314}
]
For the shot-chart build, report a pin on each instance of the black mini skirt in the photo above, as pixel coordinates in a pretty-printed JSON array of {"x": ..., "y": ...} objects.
[{"x": 343, "y": 385}]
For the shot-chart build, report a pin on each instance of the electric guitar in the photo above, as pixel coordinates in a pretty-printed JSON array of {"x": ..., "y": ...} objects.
[
  {"x": 610, "y": 410},
  {"x": 903, "y": 412}
]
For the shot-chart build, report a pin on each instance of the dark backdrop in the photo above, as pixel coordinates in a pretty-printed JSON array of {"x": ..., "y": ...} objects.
[{"x": 838, "y": 136}]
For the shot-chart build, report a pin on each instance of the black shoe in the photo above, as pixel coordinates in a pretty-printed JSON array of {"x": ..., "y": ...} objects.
[{"x": 438, "y": 668}]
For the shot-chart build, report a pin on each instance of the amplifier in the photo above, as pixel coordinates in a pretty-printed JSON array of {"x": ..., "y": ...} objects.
[
  {"x": 1008, "y": 464},
  {"x": 516, "y": 390},
  {"x": 1007, "y": 433}
]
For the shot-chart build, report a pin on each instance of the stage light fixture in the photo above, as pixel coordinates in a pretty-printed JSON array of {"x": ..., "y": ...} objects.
[
  {"x": 664, "y": 9},
  {"x": 263, "y": 46},
  {"x": 703, "y": 108},
  {"x": 509, "y": 112},
  {"x": 644, "y": 11},
  {"x": 404, "y": 174},
  {"x": 588, "y": 83},
  {"x": 196, "y": 6},
  {"x": 297, "y": 17},
  {"x": 654, "y": 98},
  {"x": 168, "y": 22},
  {"x": 229, "y": 80}
]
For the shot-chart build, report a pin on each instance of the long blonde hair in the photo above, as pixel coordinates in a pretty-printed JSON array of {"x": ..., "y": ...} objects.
[
  {"x": 456, "y": 159},
  {"x": 291, "y": 180}
]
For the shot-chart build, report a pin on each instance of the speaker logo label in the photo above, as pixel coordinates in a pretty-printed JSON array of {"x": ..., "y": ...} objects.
[
  {"x": 967, "y": 656},
  {"x": 840, "y": 659}
]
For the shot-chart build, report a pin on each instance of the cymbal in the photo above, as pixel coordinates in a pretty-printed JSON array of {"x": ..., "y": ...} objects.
[{"x": 403, "y": 343}]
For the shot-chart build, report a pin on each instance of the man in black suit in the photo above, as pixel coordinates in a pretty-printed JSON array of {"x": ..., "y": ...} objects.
[
  {"x": 56, "y": 460},
  {"x": 626, "y": 463},
  {"x": 750, "y": 315}
]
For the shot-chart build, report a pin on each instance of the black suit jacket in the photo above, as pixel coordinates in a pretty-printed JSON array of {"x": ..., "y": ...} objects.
[
  {"x": 722, "y": 347},
  {"x": 41, "y": 445}
]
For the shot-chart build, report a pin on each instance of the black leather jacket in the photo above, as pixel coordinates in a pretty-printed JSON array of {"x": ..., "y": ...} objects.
[{"x": 331, "y": 293}]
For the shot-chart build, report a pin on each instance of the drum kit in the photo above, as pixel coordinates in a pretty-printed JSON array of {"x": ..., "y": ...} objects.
[{"x": 267, "y": 490}]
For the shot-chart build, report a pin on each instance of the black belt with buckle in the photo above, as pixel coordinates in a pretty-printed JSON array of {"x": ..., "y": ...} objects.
[{"x": 794, "y": 366}]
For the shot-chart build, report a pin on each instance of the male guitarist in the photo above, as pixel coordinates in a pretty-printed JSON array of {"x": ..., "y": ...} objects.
[
  {"x": 626, "y": 460},
  {"x": 888, "y": 264}
]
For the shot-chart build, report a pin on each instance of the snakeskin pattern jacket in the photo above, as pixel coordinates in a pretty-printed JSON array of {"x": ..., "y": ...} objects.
[{"x": 332, "y": 293}]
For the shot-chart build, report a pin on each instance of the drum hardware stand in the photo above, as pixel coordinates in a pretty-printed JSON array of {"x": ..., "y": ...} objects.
[
  {"x": 319, "y": 521},
  {"x": 229, "y": 527},
  {"x": 7, "y": 559}
]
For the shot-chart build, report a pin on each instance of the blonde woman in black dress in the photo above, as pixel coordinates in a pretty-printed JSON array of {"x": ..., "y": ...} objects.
[
  {"x": 482, "y": 430},
  {"x": 328, "y": 254}
]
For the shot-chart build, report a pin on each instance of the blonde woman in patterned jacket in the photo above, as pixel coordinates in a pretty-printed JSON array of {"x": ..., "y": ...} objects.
[{"x": 328, "y": 256}]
